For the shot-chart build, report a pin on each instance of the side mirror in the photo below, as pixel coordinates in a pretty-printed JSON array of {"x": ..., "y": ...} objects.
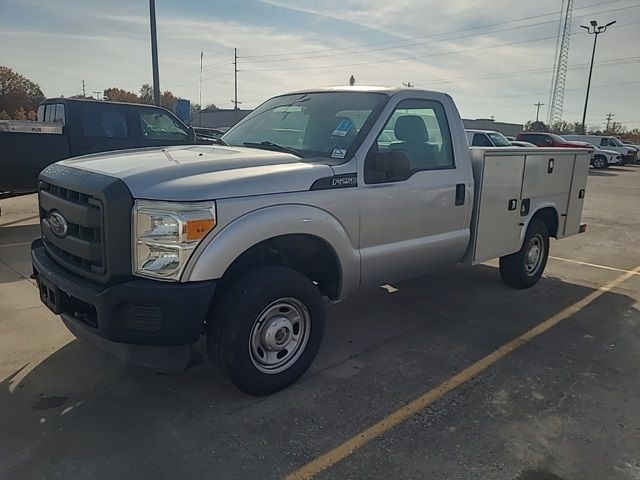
[{"x": 390, "y": 166}]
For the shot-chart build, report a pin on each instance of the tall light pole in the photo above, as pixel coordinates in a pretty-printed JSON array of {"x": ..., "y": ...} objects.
[
  {"x": 154, "y": 52},
  {"x": 594, "y": 30}
]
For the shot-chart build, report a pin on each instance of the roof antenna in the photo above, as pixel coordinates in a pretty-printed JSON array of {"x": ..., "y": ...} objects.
[{"x": 352, "y": 81}]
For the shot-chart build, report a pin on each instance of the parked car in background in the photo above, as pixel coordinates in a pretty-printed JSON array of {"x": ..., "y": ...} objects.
[
  {"x": 522, "y": 143},
  {"x": 604, "y": 158},
  {"x": 486, "y": 138},
  {"x": 629, "y": 154},
  {"x": 69, "y": 128},
  {"x": 542, "y": 139}
]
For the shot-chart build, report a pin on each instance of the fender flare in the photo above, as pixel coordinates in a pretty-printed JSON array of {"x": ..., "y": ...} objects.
[
  {"x": 220, "y": 249},
  {"x": 532, "y": 214}
]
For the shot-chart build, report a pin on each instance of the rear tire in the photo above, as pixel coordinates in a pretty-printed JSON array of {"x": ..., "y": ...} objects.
[
  {"x": 524, "y": 268},
  {"x": 600, "y": 162},
  {"x": 266, "y": 328}
]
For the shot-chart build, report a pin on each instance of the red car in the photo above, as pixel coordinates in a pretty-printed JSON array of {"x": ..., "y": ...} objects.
[{"x": 549, "y": 140}]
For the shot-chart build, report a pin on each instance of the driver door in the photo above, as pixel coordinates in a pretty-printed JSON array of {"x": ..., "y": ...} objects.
[{"x": 414, "y": 200}]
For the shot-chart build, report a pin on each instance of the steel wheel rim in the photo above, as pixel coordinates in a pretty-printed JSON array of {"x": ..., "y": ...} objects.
[
  {"x": 279, "y": 335},
  {"x": 534, "y": 254}
]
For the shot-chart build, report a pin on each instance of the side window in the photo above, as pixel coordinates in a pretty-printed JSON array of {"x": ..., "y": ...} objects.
[
  {"x": 158, "y": 125},
  {"x": 49, "y": 113},
  {"x": 607, "y": 142},
  {"x": 416, "y": 137},
  {"x": 105, "y": 121},
  {"x": 481, "y": 140},
  {"x": 59, "y": 113},
  {"x": 544, "y": 140}
]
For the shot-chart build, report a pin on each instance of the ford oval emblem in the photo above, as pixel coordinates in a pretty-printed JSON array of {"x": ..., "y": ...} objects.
[{"x": 58, "y": 224}]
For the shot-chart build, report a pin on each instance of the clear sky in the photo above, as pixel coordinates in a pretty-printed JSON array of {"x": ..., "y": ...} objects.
[{"x": 494, "y": 57}]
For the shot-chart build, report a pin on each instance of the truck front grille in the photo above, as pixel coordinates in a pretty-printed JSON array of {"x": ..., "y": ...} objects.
[{"x": 82, "y": 246}]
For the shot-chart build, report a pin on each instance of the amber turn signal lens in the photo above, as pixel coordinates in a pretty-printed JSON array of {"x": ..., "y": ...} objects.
[{"x": 197, "y": 229}]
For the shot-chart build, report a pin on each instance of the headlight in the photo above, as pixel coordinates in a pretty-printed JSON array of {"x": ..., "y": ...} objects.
[{"x": 165, "y": 235}]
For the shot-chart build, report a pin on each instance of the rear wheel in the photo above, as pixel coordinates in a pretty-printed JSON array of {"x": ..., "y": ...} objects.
[
  {"x": 524, "y": 268},
  {"x": 600, "y": 162},
  {"x": 266, "y": 329}
]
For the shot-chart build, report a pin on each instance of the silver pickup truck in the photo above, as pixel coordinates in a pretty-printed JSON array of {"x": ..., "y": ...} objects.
[{"x": 312, "y": 197}]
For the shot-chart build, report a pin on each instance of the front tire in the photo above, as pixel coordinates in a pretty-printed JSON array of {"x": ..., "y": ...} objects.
[
  {"x": 266, "y": 328},
  {"x": 600, "y": 162},
  {"x": 524, "y": 268}
]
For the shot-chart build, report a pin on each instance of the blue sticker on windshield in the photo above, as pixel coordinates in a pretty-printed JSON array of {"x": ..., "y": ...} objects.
[{"x": 343, "y": 128}]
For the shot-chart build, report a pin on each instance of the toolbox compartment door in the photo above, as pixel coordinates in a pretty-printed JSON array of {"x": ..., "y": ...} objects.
[
  {"x": 497, "y": 209},
  {"x": 576, "y": 195}
]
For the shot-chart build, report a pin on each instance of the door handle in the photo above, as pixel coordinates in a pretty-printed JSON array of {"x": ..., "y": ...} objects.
[{"x": 460, "y": 193}]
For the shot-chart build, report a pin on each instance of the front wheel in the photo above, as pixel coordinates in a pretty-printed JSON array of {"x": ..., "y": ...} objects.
[
  {"x": 600, "y": 162},
  {"x": 266, "y": 329},
  {"x": 524, "y": 268}
]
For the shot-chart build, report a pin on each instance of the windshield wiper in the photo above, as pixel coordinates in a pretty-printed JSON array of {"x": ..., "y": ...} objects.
[{"x": 267, "y": 145}]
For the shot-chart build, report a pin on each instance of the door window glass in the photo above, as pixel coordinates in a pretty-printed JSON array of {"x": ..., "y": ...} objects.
[
  {"x": 416, "y": 137},
  {"x": 159, "y": 125},
  {"x": 106, "y": 121}
]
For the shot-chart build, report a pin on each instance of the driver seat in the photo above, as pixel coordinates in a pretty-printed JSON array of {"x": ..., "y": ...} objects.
[{"x": 414, "y": 136}]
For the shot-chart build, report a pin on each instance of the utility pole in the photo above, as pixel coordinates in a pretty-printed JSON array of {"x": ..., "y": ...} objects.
[
  {"x": 408, "y": 84},
  {"x": 154, "y": 52},
  {"x": 84, "y": 93},
  {"x": 200, "y": 97},
  {"x": 594, "y": 30},
  {"x": 235, "y": 78},
  {"x": 538, "y": 105},
  {"x": 609, "y": 116}
]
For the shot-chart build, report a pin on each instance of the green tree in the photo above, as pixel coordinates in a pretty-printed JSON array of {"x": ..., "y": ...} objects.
[{"x": 17, "y": 91}]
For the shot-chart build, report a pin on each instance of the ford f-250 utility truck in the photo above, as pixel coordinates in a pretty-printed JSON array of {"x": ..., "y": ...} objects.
[{"x": 312, "y": 197}]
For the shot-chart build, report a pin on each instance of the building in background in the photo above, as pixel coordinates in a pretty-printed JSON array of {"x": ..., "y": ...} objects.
[{"x": 507, "y": 129}]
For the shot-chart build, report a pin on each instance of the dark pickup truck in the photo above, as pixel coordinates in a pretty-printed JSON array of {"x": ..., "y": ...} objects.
[{"x": 69, "y": 128}]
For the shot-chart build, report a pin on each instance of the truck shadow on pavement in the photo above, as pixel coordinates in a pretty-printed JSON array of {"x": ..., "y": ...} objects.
[{"x": 77, "y": 414}]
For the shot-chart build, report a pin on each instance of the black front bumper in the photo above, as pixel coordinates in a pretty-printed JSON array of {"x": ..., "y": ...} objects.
[{"x": 134, "y": 312}]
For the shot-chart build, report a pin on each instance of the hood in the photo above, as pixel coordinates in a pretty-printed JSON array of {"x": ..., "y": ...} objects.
[
  {"x": 199, "y": 172},
  {"x": 572, "y": 143}
]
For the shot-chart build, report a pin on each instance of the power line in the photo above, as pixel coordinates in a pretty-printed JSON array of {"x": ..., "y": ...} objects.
[
  {"x": 321, "y": 67},
  {"x": 410, "y": 39}
]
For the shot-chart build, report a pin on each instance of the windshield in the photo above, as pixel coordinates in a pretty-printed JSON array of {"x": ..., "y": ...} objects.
[
  {"x": 618, "y": 142},
  {"x": 499, "y": 140},
  {"x": 322, "y": 124},
  {"x": 558, "y": 138}
]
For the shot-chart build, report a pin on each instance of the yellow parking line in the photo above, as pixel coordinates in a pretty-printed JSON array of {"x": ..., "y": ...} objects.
[
  {"x": 394, "y": 419},
  {"x": 592, "y": 265}
]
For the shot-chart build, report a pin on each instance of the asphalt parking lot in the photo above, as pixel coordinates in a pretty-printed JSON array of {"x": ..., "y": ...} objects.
[{"x": 561, "y": 403}]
